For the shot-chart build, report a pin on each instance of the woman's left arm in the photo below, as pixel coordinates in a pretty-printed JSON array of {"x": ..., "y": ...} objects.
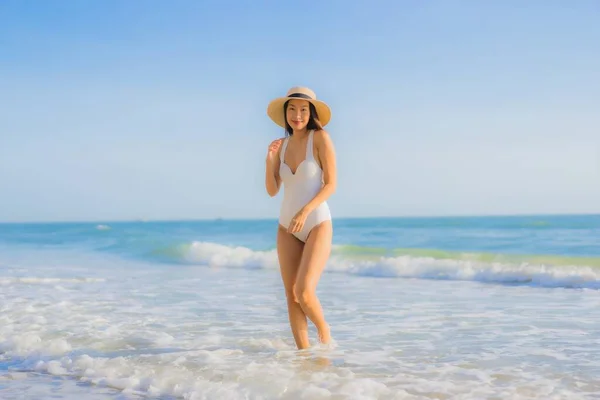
[{"x": 326, "y": 157}]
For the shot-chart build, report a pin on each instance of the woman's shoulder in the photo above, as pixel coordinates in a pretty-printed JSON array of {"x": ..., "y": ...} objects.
[{"x": 322, "y": 137}]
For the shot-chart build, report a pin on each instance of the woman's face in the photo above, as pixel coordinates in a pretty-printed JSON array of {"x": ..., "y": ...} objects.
[{"x": 297, "y": 114}]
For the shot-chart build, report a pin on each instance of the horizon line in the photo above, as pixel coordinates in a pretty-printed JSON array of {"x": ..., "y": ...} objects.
[{"x": 258, "y": 219}]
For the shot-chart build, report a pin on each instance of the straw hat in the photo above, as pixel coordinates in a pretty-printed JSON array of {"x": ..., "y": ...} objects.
[{"x": 275, "y": 107}]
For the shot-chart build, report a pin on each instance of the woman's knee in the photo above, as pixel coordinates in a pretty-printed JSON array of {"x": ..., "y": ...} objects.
[{"x": 303, "y": 294}]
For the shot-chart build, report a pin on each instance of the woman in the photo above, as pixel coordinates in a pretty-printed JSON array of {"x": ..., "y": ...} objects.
[{"x": 305, "y": 162}]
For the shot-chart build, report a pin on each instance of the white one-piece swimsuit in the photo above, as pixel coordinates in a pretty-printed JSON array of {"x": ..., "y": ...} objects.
[{"x": 300, "y": 188}]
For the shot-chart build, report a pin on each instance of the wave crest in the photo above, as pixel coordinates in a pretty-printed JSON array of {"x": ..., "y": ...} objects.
[{"x": 471, "y": 268}]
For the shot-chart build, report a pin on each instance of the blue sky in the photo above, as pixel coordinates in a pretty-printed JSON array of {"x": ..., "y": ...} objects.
[{"x": 116, "y": 110}]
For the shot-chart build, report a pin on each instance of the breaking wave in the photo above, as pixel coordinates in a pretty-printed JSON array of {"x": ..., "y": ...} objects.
[{"x": 537, "y": 270}]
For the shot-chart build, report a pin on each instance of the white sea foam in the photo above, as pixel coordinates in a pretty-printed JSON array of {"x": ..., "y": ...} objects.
[
  {"x": 222, "y": 333},
  {"x": 45, "y": 281},
  {"x": 572, "y": 276}
]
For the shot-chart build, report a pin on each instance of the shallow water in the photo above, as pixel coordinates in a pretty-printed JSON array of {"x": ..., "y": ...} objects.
[{"x": 77, "y": 323}]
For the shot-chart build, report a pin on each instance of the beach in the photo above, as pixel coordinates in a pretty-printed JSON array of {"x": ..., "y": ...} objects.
[{"x": 420, "y": 308}]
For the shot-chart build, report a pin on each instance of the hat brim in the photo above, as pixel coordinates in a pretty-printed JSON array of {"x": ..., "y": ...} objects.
[{"x": 275, "y": 110}]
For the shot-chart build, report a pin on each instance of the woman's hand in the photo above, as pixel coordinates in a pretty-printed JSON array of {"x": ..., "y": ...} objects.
[
  {"x": 272, "y": 179},
  {"x": 298, "y": 221},
  {"x": 273, "y": 151}
]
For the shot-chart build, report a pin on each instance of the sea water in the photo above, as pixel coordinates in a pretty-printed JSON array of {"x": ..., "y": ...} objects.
[{"x": 420, "y": 308}]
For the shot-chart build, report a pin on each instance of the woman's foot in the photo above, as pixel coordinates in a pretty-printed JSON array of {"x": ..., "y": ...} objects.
[{"x": 325, "y": 334}]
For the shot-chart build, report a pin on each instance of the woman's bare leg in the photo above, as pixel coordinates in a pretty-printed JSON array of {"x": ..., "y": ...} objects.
[
  {"x": 314, "y": 258},
  {"x": 289, "y": 252}
]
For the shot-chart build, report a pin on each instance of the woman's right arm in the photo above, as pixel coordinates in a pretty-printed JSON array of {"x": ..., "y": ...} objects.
[{"x": 272, "y": 178}]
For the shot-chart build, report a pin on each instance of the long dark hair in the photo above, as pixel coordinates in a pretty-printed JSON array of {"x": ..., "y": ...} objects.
[{"x": 313, "y": 119}]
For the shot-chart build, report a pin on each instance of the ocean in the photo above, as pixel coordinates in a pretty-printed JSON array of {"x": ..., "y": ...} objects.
[{"x": 420, "y": 308}]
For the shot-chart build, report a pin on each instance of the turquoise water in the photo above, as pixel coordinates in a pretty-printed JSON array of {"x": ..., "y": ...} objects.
[
  {"x": 470, "y": 308},
  {"x": 560, "y": 236}
]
